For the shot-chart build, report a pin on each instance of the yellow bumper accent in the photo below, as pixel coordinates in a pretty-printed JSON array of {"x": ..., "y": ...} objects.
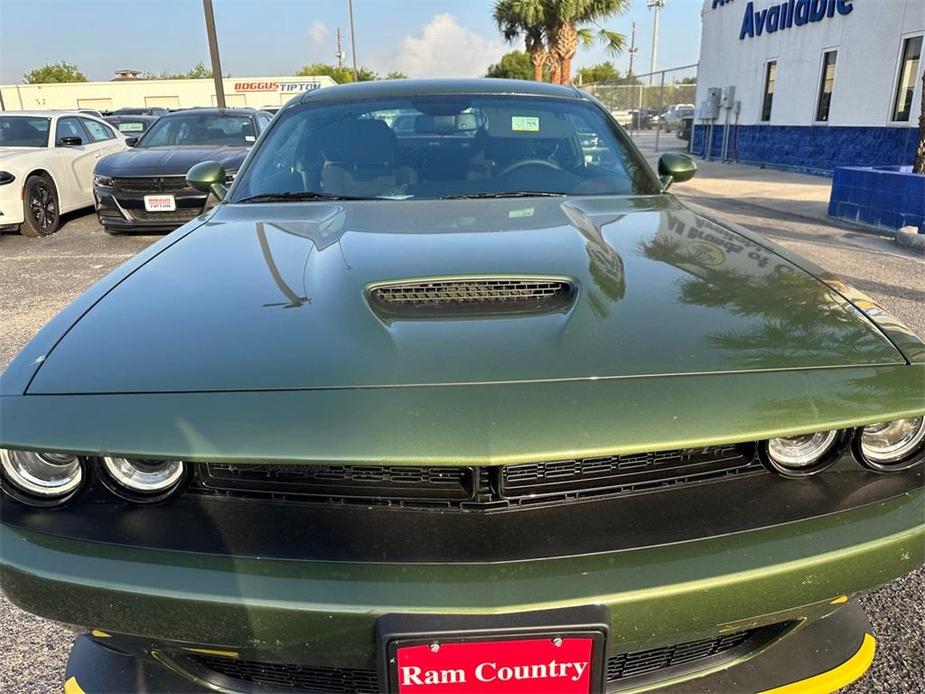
[
  {"x": 100, "y": 634},
  {"x": 71, "y": 686},
  {"x": 213, "y": 651},
  {"x": 836, "y": 678}
]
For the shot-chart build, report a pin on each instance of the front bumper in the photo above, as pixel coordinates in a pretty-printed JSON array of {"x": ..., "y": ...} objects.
[
  {"x": 325, "y": 613},
  {"x": 819, "y": 656},
  {"x": 125, "y": 211},
  {"x": 11, "y": 211}
]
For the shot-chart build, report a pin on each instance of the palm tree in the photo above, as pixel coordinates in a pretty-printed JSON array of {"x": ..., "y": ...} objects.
[
  {"x": 526, "y": 18},
  {"x": 553, "y": 30},
  {"x": 568, "y": 25}
]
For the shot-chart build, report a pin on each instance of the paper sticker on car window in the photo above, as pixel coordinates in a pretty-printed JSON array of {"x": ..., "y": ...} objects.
[
  {"x": 250, "y": 138},
  {"x": 525, "y": 124}
]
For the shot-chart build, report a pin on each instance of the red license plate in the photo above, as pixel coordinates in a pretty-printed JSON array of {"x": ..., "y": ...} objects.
[{"x": 524, "y": 666}]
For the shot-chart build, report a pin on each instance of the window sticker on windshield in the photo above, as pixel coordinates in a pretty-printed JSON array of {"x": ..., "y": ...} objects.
[
  {"x": 250, "y": 138},
  {"x": 525, "y": 124},
  {"x": 522, "y": 212},
  {"x": 131, "y": 127}
]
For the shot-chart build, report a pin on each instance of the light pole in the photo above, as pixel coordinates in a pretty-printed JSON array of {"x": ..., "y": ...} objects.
[
  {"x": 353, "y": 40},
  {"x": 632, "y": 51},
  {"x": 213, "y": 52},
  {"x": 658, "y": 5}
]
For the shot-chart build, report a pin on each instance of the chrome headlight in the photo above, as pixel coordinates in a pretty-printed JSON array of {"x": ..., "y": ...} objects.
[
  {"x": 803, "y": 455},
  {"x": 102, "y": 181},
  {"x": 49, "y": 476},
  {"x": 6, "y": 177},
  {"x": 146, "y": 478},
  {"x": 892, "y": 446}
]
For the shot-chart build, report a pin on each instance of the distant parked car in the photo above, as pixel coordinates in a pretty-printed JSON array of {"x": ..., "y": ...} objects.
[
  {"x": 46, "y": 166},
  {"x": 272, "y": 110},
  {"x": 145, "y": 188},
  {"x": 623, "y": 116},
  {"x": 672, "y": 117},
  {"x": 132, "y": 126},
  {"x": 91, "y": 112},
  {"x": 145, "y": 111}
]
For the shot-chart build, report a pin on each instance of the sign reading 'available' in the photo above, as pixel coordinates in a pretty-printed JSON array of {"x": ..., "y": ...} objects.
[{"x": 786, "y": 15}]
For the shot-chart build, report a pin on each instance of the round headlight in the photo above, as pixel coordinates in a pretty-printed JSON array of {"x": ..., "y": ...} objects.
[
  {"x": 144, "y": 477},
  {"x": 891, "y": 446},
  {"x": 801, "y": 456},
  {"x": 41, "y": 474}
]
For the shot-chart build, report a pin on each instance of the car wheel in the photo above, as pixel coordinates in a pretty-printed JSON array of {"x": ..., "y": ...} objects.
[{"x": 41, "y": 215}]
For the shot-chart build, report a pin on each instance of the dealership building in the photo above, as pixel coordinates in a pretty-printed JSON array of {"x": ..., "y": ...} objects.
[
  {"x": 129, "y": 90},
  {"x": 810, "y": 85}
]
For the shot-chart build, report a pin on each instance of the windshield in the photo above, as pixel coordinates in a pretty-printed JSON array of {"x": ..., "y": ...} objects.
[
  {"x": 437, "y": 147},
  {"x": 201, "y": 129},
  {"x": 24, "y": 131}
]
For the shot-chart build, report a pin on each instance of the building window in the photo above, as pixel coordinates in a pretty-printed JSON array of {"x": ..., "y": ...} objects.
[
  {"x": 827, "y": 85},
  {"x": 770, "y": 78},
  {"x": 908, "y": 72}
]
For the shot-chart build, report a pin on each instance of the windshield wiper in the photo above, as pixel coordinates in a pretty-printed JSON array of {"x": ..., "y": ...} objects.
[
  {"x": 508, "y": 194},
  {"x": 299, "y": 196}
]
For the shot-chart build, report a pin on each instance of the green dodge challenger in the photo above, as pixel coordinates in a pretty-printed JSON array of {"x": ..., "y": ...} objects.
[{"x": 469, "y": 405}]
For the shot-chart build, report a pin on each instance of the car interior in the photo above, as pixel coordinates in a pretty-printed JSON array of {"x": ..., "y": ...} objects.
[
  {"x": 23, "y": 131},
  {"x": 442, "y": 152}
]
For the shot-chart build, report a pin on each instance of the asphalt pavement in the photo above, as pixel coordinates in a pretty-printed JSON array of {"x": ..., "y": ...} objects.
[{"x": 38, "y": 277}]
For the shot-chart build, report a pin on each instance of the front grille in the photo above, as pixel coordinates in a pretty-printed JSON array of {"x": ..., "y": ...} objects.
[
  {"x": 627, "y": 665},
  {"x": 181, "y": 214},
  {"x": 312, "y": 679},
  {"x": 151, "y": 184},
  {"x": 618, "y": 668},
  {"x": 478, "y": 488},
  {"x": 450, "y": 297}
]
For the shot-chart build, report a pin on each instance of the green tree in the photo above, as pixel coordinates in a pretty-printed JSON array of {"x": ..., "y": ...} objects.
[
  {"x": 396, "y": 75},
  {"x": 198, "y": 72},
  {"x": 341, "y": 75},
  {"x": 515, "y": 65},
  {"x": 601, "y": 72},
  {"x": 54, "y": 72},
  {"x": 561, "y": 26}
]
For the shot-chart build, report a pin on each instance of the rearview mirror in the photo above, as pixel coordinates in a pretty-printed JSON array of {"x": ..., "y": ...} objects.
[
  {"x": 70, "y": 141},
  {"x": 131, "y": 141},
  {"x": 209, "y": 177},
  {"x": 675, "y": 168}
]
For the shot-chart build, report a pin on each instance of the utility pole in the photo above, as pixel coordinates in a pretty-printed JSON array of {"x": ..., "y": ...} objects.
[
  {"x": 340, "y": 50},
  {"x": 658, "y": 5},
  {"x": 353, "y": 40},
  {"x": 632, "y": 51},
  {"x": 213, "y": 51}
]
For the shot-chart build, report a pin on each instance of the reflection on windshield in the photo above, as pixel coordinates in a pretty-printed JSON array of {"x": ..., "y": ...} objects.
[
  {"x": 437, "y": 147},
  {"x": 201, "y": 129}
]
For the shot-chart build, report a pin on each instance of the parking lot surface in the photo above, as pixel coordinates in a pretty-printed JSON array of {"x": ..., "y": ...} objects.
[{"x": 38, "y": 277}]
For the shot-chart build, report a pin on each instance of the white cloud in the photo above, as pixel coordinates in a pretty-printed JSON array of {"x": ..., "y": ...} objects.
[
  {"x": 317, "y": 31},
  {"x": 445, "y": 49}
]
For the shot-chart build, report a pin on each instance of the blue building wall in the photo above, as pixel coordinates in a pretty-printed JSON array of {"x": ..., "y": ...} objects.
[
  {"x": 810, "y": 149},
  {"x": 886, "y": 197}
]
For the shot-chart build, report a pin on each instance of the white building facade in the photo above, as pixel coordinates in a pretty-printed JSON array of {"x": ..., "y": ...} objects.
[
  {"x": 255, "y": 92},
  {"x": 810, "y": 85}
]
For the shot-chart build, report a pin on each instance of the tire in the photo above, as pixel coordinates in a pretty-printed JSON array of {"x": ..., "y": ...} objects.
[{"x": 41, "y": 213}]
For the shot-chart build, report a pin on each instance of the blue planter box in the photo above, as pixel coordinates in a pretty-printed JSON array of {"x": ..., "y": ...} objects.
[{"x": 887, "y": 197}]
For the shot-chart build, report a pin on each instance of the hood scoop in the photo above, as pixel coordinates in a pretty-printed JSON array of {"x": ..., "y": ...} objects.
[{"x": 469, "y": 297}]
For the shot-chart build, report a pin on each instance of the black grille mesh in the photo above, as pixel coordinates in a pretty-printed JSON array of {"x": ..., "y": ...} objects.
[
  {"x": 339, "y": 680},
  {"x": 151, "y": 184},
  {"x": 462, "y": 296},
  {"x": 479, "y": 488}
]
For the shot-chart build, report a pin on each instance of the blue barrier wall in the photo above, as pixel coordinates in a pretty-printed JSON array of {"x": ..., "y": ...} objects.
[
  {"x": 811, "y": 149},
  {"x": 888, "y": 197}
]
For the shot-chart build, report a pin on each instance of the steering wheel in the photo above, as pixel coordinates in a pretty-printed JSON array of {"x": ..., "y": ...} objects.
[{"x": 530, "y": 162}]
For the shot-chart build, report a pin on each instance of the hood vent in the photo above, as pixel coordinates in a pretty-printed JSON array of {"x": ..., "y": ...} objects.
[{"x": 470, "y": 297}]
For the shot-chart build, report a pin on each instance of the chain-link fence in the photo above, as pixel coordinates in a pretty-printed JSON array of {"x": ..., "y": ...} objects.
[{"x": 653, "y": 105}]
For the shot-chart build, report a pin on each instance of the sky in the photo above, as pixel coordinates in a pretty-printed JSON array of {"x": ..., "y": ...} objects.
[{"x": 422, "y": 38}]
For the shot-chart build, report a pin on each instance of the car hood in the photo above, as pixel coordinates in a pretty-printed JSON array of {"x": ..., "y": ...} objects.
[
  {"x": 167, "y": 161},
  {"x": 274, "y": 296}
]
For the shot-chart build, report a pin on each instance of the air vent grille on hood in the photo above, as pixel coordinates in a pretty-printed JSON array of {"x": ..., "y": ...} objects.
[{"x": 467, "y": 296}]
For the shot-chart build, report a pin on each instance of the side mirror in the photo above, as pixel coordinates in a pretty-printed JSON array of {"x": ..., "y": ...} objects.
[
  {"x": 674, "y": 168},
  {"x": 70, "y": 141},
  {"x": 131, "y": 141},
  {"x": 209, "y": 177}
]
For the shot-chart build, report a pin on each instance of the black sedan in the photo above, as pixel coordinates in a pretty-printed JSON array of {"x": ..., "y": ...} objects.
[{"x": 145, "y": 188}]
